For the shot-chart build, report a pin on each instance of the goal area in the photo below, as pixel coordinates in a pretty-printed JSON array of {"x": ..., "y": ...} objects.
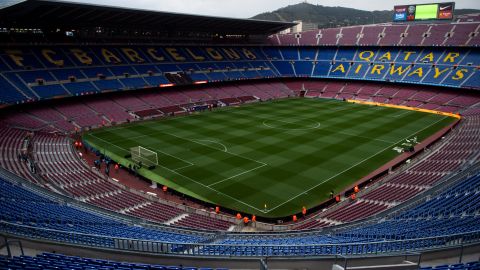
[{"x": 144, "y": 156}]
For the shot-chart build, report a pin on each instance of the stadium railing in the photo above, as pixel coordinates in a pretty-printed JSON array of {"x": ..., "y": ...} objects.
[{"x": 229, "y": 250}]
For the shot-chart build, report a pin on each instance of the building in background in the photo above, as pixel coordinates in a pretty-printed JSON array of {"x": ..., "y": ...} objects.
[{"x": 300, "y": 27}]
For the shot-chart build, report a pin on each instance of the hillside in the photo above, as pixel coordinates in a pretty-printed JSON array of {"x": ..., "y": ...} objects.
[{"x": 333, "y": 16}]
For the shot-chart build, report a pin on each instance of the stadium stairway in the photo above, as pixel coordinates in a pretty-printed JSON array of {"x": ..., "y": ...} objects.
[{"x": 175, "y": 219}]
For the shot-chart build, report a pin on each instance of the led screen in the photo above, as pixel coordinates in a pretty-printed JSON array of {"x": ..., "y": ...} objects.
[
  {"x": 441, "y": 11},
  {"x": 426, "y": 12}
]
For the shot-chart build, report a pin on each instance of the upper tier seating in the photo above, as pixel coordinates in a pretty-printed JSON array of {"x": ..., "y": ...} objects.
[
  {"x": 469, "y": 17},
  {"x": 169, "y": 66},
  {"x": 442, "y": 34}
]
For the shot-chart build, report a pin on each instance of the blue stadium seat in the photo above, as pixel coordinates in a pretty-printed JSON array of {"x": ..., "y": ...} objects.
[
  {"x": 451, "y": 67},
  {"x": 80, "y": 88},
  {"x": 307, "y": 53},
  {"x": 284, "y": 68},
  {"x": 49, "y": 91},
  {"x": 290, "y": 53},
  {"x": 272, "y": 53},
  {"x": 321, "y": 69},
  {"x": 108, "y": 84},
  {"x": 303, "y": 68},
  {"x": 9, "y": 94}
]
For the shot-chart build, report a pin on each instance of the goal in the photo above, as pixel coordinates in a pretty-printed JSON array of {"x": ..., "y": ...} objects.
[{"x": 144, "y": 156}]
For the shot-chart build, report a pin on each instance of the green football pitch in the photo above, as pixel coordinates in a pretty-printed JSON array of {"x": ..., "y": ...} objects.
[{"x": 284, "y": 154}]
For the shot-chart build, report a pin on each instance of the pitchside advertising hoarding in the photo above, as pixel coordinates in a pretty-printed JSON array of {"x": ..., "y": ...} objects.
[{"x": 440, "y": 11}]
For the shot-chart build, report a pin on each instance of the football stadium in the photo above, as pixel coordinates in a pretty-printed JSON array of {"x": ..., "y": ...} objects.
[{"x": 143, "y": 139}]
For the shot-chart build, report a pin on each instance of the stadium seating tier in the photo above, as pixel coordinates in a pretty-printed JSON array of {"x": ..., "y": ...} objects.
[{"x": 45, "y": 73}]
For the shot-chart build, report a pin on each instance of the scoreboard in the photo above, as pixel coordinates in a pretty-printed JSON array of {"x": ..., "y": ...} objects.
[{"x": 407, "y": 13}]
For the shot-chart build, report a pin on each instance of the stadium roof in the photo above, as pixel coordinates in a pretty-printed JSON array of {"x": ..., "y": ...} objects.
[{"x": 52, "y": 13}]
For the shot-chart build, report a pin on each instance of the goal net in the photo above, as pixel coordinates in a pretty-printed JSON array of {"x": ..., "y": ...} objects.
[{"x": 144, "y": 156}]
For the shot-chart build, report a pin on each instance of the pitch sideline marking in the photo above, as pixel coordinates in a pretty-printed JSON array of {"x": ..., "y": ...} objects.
[
  {"x": 228, "y": 109},
  {"x": 306, "y": 191},
  {"x": 139, "y": 123},
  {"x": 219, "y": 192},
  {"x": 360, "y": 136},
  {"x": 191, "y": 140},
  {"x": 265, "y": 123},
  {"x": 156, "y": 150},
  {"x": 178, "y": 169},
  {"x": 401, "y": 114},
  {"x": 186, "y": 161},
  {"x": 231, "y": 177}
]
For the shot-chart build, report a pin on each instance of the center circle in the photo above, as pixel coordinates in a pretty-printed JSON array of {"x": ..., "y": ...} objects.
[{"x": 291, "y": 125}]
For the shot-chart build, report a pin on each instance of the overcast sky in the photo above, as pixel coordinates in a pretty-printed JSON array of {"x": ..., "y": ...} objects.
[{"x": 249, "y": 8}]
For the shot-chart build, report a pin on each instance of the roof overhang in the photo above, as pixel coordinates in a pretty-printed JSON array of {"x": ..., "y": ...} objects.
[{"x": 51, "y": 13}]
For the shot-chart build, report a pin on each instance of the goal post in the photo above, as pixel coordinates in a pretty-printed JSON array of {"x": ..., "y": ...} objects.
[{"x": 144, "y": 156}]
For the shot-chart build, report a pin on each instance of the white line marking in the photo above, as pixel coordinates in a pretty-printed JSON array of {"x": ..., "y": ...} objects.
[
  {"x": 224, "y": 109},
  {"x": 121, "y": 148},
  {"x": 273, "y": 119},
  {"x": 231, "y": 177},
  {"x": 401, "y": 114},
  {"x": 264, "y": 164},
  {"x": 306, "y": 191},
  {"x": 206, "y": 145},
  {"x": 175, "y": 157},
  {"x": 265, "y": 123},
  {"x": 339, "y": 109},
  {"x": 225, "y": 149},
  {"x": 226, "y": 195},
  {"x": 186, "y": 161},
  {"x": 360, "y": 136},
  {"x": 190, "y": 140},
  {"x": 178, "y": 169}
]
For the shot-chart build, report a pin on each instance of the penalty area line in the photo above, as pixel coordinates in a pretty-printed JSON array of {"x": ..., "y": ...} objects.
[
  {"x": 190, "y": 164},
  {"x": 192, "y": 180},
  {"x": 225, "y": 149}
]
